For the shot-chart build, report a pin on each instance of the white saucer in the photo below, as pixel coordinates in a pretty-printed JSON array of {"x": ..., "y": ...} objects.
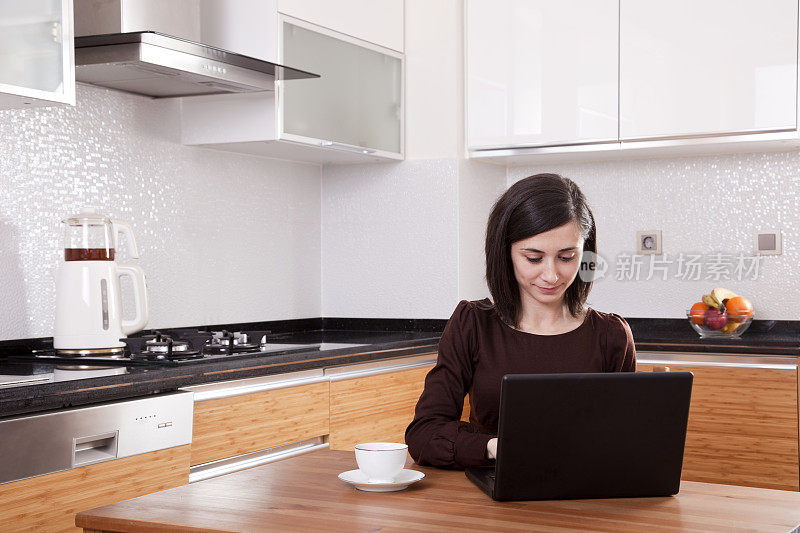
[{"x": 359, "y": 480}]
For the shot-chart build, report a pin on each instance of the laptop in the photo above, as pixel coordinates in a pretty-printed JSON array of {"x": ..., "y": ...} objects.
[{"x": 603, "y": 435}]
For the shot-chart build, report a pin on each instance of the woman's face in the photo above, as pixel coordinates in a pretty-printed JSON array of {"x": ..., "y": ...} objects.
[{"x": 547, "y": 263}]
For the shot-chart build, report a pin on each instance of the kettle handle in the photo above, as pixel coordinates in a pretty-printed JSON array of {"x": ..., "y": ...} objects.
[
  {"x": 140, "y": 298},
  {"x": 123, "y": 227}
]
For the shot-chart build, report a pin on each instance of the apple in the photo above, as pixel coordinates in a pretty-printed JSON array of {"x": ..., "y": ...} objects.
[{"x": 716, "y": 319}]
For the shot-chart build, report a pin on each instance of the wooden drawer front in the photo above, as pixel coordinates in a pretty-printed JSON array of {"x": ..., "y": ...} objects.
[
  {"x": 246, "y": 423},
  {"x": 49, "y": 503},
  {"x": 374, "y": 408},
  {"x": 743, "y": 427}
]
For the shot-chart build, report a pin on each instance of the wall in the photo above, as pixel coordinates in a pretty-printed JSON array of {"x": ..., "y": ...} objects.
[
  {"x": 222, "y": 237},
  {"x": 404, "y": 240},
  {"x": 244, "y": 26},
  {"x": 704, "y": 206},
  {"x": 434, "y": 79},
  {"x": 480, "y": 185},
  {"x": 390, "y": 239},
  {"x": 385, "y": 240}
]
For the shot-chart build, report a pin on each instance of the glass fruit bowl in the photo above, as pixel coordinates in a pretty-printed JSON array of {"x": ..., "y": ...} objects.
[{"x": 730, "y": 326}]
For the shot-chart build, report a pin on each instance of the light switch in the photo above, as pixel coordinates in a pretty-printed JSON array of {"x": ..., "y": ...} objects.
[{"x": 768, "y": 242}]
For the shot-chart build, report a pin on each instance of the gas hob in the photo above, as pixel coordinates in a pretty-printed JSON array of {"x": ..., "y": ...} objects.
[{"x": 176, "y": 347}]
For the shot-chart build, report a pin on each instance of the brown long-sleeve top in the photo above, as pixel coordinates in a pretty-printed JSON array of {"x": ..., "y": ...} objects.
[{"x": 475, "y": 351}]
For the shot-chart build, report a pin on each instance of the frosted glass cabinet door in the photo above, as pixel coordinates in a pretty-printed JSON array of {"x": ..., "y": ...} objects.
[
  {"x": 695, "y": 67},
  {"x": 356, "y": 104},
  {"x": 36, "y": 58},
  {"x": 541, "y": 72}
]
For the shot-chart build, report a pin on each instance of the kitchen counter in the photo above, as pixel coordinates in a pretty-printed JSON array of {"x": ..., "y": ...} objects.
[
  {"x": 303, "y": 494},
  {"x": 378, "y": 339},
  {"x": 763, "y": 337},
  {"x": 131, "y": 381}
]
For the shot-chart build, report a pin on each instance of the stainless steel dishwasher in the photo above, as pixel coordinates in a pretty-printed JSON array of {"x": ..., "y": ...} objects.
[{"x": 42, "y": 443}]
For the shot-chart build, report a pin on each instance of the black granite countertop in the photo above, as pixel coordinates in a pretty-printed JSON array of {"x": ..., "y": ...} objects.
[
  {"x": 763, "y": 337},
  {"x": 131, "y": 381},
  {"x": 377, "y": 339}
]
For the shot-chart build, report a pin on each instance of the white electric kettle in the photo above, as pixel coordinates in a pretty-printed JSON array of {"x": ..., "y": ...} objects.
[{"x": 88, "y": 303}]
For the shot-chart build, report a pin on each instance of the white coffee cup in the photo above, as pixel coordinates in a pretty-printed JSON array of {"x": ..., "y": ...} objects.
[{"x": 381, "y": 461}]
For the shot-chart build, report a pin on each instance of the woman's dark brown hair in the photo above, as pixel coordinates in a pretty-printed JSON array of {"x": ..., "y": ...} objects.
[{"x": 531, "y": 206}]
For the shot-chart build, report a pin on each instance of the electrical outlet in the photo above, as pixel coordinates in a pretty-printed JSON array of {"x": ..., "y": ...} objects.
[
  {"x": 768, "y": 242},
  {"x": 648, "y": 242}
]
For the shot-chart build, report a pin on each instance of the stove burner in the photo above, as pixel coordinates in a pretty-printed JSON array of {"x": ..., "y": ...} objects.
[
  {"x": 162, "y": 344},
  {"x": 161, "y": 347},
  {"x": 224, "y": 341}
]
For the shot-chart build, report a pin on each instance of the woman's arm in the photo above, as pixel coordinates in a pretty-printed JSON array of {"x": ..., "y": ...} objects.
[{"x": 437, "y": 436}]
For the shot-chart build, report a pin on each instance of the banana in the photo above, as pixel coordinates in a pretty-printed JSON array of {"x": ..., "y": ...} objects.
[
  {"x": 729, "y": 327},
  {"x": 721, "y": 295},
  {"x": 709, "y": 301}
]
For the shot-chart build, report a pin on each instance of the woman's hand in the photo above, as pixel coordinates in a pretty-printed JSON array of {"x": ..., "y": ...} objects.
[{"x": 491, "y": 448}]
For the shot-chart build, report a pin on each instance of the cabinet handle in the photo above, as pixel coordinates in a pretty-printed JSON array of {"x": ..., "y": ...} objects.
[
  {"x": 239, "y": 389},
  {"x": 339, "y": 375},
  {"x": 665, "y": 359},
  {"x": 346, "y": 147},
  {"x": 249, "y": 460}
]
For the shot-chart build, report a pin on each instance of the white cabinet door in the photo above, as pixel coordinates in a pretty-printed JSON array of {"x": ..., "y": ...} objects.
[
  {"x": 356, "y": 104},
  {"x": 376, "y": 21},
  {"x": 541, "y": 72},
  {"x": 704, "y": 67},
  {"x": 37, "y": 65}
]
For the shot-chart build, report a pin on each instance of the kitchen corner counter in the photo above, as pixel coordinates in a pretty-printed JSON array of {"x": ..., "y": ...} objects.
[{"x": 134, "y": 381}]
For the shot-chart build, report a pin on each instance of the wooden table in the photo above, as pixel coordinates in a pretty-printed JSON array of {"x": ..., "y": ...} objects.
[{"x": 303, "y": 494}]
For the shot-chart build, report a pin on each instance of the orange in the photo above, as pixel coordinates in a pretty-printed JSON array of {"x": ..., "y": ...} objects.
[
  {"x": 739, "y": 306},
  {"x": 698, "y": 313}
]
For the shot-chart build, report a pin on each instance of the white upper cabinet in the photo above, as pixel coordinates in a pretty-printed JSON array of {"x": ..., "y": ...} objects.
[
  {"x": 357, "y": 102},
  {"x": 37, "y": 65},
  {"x": 541, "y": 72},
  {"x": 375, "y": 21},
  {"x": 705, "y": 67},
  {"x": 354, "y": 112}
]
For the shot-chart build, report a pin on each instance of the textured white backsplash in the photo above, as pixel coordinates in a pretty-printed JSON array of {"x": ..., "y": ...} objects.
[
  {"x": 703, "y": 205},
  {"x": 405, "y": 240},
  {"x": 234, "y": 238},
  {"x": 222, "y": 237},
  {"x": 479, "y": 185},
  {"x": 389, "y": 230},
  {"x": 390, "y": 239}
]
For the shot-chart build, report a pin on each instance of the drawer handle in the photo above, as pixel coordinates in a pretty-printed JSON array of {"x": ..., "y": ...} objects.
[{"x": 94, "y": 449}]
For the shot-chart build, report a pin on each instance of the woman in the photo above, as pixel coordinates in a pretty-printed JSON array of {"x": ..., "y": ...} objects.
[{"x": 536, "y": 322}]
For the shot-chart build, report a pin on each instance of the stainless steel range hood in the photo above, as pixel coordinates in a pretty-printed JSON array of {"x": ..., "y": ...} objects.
[{"x": 162, "y": 66}]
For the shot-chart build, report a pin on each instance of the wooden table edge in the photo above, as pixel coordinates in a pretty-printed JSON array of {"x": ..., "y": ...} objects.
[
  {"x": 90, "y": 521},
  {"x": 95, "y": 524}
]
